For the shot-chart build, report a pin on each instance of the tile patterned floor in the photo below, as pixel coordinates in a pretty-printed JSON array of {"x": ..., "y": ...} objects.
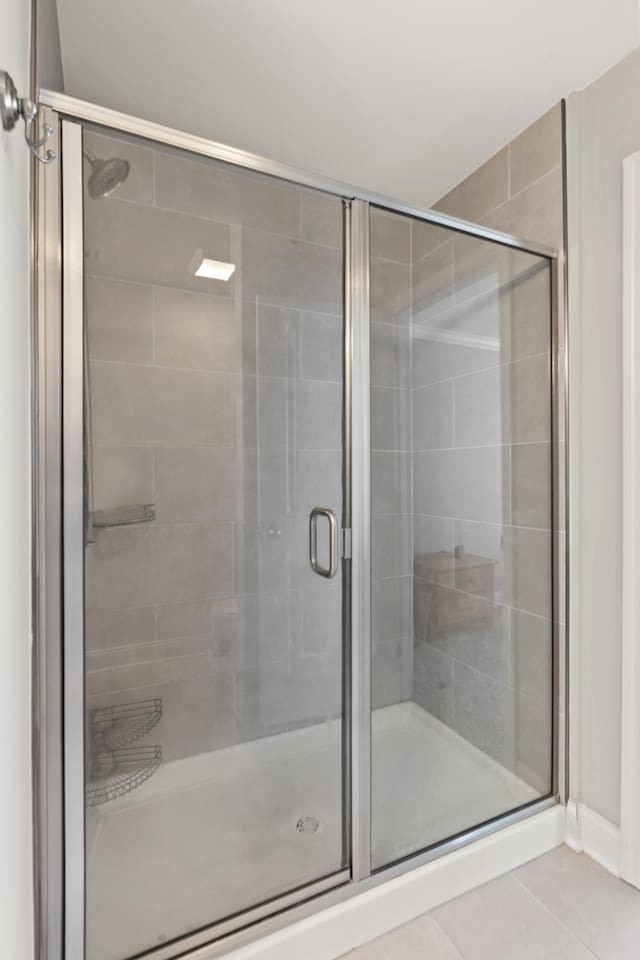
[{"x": 562, "y": 906}]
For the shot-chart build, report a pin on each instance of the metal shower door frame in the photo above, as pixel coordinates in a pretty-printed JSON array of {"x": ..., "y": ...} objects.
[{"x": 58, "y": 495}]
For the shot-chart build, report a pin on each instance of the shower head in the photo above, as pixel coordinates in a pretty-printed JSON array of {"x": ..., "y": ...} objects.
[{"x": 106, "y": 175}]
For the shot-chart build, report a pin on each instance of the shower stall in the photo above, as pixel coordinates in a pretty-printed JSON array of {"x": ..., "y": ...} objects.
[{"x": 300, "y": 480}]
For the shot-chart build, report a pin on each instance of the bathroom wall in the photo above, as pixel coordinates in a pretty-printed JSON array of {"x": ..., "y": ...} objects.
[
  {"x": 605, "y": 128},
  {"x": 16, "y": 881},
  {"x": 220, "y": 405},
  {"x": 48, "y": 57},
  {"x": 481, "y": 461}
]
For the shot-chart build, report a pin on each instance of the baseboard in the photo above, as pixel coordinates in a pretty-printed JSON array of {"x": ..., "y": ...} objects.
[
  {"x": 588, "y": 832},
  {"x": 339, "y": 928}
]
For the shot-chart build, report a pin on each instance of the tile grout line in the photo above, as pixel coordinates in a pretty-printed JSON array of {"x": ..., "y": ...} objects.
[
  {"x": 446, "y": 936},
  {"x": 549, "y": 911}
]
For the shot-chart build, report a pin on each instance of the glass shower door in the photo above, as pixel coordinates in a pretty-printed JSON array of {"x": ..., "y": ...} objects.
[
  {"x": 213, "y": 380},
  {"x": 462, "y": 569}
]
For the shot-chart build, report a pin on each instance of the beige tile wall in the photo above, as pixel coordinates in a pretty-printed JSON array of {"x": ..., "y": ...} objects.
[
  {"x": 221, "y": 405},
  {"x": 480, "y": 375},
  {"x": 519, "y": 190}
]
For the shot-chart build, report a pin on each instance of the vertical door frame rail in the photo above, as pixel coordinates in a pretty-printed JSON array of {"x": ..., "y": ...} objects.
[
  {"x": 58, "y": 564},
  {"x": 629, "y": 843},
  {"x": 73, "y": 536}
]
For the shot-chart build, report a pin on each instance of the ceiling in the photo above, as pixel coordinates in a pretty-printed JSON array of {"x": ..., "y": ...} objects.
[{"x": 404, "y": 97}]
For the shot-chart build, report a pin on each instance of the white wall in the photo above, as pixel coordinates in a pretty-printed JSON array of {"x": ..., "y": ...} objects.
[
  {"x": 48, "y": 54},
  {"x": 15, "y": 727},
  {"x": 605, "y": 128}
]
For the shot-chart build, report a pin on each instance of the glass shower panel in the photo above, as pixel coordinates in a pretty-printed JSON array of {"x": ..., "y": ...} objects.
[
  {"x": 213, "y": 425},
  {"x": 461, "y": 532}
]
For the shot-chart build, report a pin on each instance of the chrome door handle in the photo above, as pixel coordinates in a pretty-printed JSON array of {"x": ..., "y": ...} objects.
[{"x": 332, "y": 569}]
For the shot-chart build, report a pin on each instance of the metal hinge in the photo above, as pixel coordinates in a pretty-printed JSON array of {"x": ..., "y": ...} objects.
[{"x": 346, "y": 544}]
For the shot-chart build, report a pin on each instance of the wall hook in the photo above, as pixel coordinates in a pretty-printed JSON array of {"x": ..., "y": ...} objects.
[{"x": 12, "y": 107}]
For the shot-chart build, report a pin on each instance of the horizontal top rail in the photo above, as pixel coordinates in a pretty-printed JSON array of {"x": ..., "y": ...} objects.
[{"x": 83, "y": 110}]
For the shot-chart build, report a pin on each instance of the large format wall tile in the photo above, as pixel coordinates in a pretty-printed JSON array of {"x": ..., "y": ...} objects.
[
  {"x": 434, "y": 360},
  {"x": 432, "y": 284},
  {"x": 119, "y": 569},
  {"x": 119, "y": 320},
  {"x": 197, "y": 331},
  {"x": 390, "y": 291},
  {"x": 390, "y": 236},
  {"x": 277, "y": 341},
  {"x": 390, "y": 355},
  {"x": 461, "y": 483},
  {"x": 425, "y": 237},
  {"x": 535, "y": 213},
  {"x": 481, "y": 192},
  {"x": 290, "y": 272},
  {"x": 528, "y": 333},
  {"x": 392, "y": 609},
  {"x": 390, "y": 418},
  {"x": 122, "y": 477},
  {"x": 481, "y": 413},
  {"x": 390, "y": 482},
  {"x": 432, "y": 416},
  {"x": 392, "y": 554},
  {"x": 154, "y": 246},
  {"x": 129, "y": 567},
  {"x": 537, "y": 150},
  {"x": 207, "y": 189},
  {"x": 531, "y": 646},
  {"x": 112, "y": 679},
  {"x": 318, "y": 415},
  {"x": 198, "y": 715},
  {"x": 528, "y": 383},
  {"x": 153, "y": 405},
  {"x": 432, "y": 534},
  {"x": 123, "y": 626},
  {"x": 321, "y": 347},
  {"x": 196, "y": 484},
  {"x": 527, "y": 569},
  {"x": 533, "y": 744},
  {"x": 319, "y": 479},
  {"x": 530, "y": 480},
  {"x": 321, "y": 612},
  {"x": 321, "y": 218}
]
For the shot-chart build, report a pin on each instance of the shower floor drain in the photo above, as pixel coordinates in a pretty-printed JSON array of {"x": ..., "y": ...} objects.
[{"x": 307, "y": 825}]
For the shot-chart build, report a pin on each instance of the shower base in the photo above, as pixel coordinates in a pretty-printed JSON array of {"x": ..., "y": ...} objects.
[{"x": 213, "y": 834}]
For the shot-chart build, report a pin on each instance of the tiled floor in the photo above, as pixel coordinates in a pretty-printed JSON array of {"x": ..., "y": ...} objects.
[{"x": 562, "y": 906}]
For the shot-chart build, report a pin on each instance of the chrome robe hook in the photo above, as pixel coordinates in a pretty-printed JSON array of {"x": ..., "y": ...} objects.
[{"x": 12, "y": 107}]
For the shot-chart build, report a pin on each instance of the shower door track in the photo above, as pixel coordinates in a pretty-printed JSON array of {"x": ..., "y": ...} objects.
[{"x": 58, "y": 753}]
